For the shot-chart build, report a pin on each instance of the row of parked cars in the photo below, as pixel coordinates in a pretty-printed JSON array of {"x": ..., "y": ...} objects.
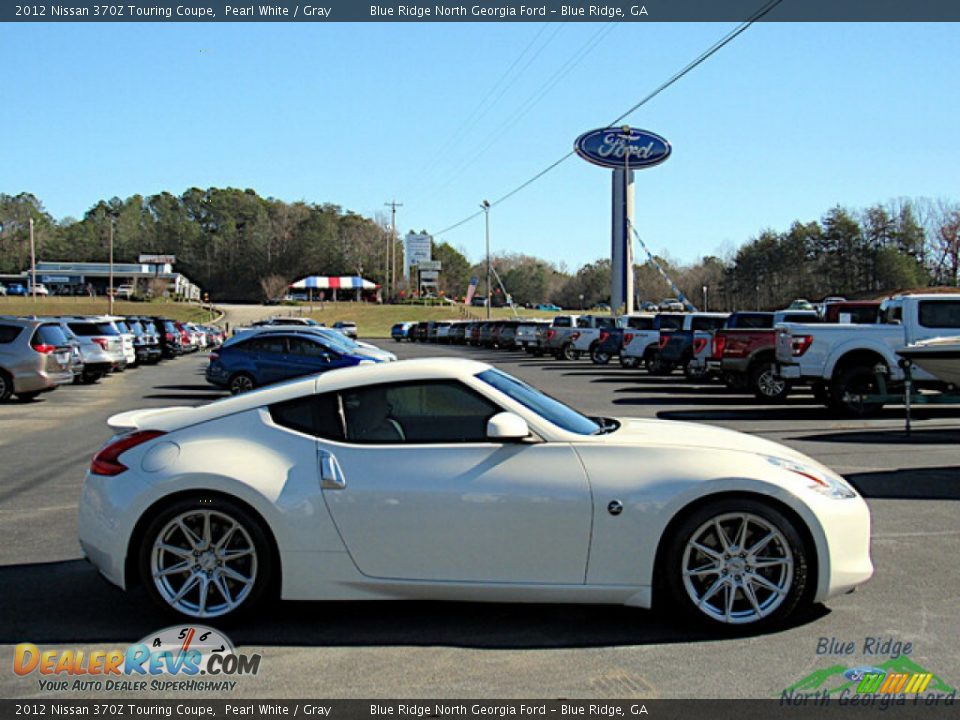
[
  {"x": 38, "y": 354},
  {"x": 835, "y": 350}
]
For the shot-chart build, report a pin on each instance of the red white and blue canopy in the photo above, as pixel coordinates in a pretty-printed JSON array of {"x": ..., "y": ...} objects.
[{"x": 342, "y": 282}]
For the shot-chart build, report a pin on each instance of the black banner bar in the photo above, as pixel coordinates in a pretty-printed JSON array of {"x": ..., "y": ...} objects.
[
  {"x": 878, "y": 706},
  {"x": 485, "y": 11}
]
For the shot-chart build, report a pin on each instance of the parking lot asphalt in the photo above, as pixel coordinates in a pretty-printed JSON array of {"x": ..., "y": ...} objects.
[{"x": 51, "y": 597}]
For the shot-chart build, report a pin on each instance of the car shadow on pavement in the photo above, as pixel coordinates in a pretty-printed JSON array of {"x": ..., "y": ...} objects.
[
  {"x": 888, "y": 436},
  {"x": 68, "y": 603},
  {"x": 785, "y": 411},
  {"x": 936, "y": 483}
]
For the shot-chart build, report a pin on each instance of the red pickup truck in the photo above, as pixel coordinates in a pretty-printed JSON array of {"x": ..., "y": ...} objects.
[{"x": 744, "y": 352}]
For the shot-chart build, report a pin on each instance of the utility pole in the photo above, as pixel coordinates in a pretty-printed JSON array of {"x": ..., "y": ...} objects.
[
  {"x": 110, "y": 291},
  {"x": 392, "y": 248},
  {"x": 486, "y": 211},
  {"x": 33, "y": 264}
]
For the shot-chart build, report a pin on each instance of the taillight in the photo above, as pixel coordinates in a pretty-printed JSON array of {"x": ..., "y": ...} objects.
[
  {"x": 169, "y": 337},
  {"x": 627, "y": 338},
  {"x": 664, "y": 339},
  {"x": 44, "y": 348},
  {"x": 698, "y": 345},
  {"x": 719, "y": 345},
  {"x": 574, "y": 336},
  {"x": 801, "y": 343},
  {"x": 604, "y": 335},
  {"x": 102, "y": 342},
  {"x": 106, "y": 462},
  {"x": 550, "y": 334},
  {"x": 214, "y": 357}
]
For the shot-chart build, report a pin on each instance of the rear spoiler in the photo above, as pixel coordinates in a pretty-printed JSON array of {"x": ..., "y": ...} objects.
[{"x": 137, "y": 419}]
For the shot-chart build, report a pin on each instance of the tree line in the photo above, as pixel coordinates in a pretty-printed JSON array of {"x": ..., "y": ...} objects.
[{"x": 239, "y": 246}]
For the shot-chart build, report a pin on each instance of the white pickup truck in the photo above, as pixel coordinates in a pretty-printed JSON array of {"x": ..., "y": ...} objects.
[{"x": 852, "y": 366}]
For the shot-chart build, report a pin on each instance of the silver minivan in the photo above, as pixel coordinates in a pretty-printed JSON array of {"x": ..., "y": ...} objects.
[{"x": 34, "y": 358}]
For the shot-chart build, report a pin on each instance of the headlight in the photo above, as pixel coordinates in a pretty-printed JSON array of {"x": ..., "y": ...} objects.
[{"x": 819, "y": 481}]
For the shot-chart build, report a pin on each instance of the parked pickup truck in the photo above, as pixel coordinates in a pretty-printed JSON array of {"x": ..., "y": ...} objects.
[
  {"x": 555, "y": 340},
  {"x": 530, "y": 336},
  {"x": 856, "y": 312},
  {"x": 643, "y": 344},
  {"x": 587, "y": 334},
  {"x": 610, "y": 342},
  {"x": 848, "y": 363},
  {"x": 677, "y": 347},
  {"x": 744, "y": 352}
]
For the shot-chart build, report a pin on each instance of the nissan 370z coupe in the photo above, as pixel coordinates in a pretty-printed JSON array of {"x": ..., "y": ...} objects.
[{"x": 449, "y": 479}]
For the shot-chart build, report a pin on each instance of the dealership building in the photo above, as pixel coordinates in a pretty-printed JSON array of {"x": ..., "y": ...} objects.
[{"x": 58, "y": 275}]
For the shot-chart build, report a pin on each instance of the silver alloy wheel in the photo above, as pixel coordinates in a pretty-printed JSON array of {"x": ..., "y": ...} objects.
[
  {"x": 203, "y": 563},
  {"x": 770, "y": 384},
  {"x": 241, "y": 384},
  {"x": 737, "y": 568}
]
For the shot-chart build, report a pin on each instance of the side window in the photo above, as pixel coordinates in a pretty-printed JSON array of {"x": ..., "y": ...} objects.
[
  {"x": 305, "y": 347},
  {"x": 583, "y": 322},
  {"x": 706, "y": 323},
  {"x": 8, "y": 333},
  {"x": 561, "y": 322},
  {"x": 605, "y": 322},
  {"x": 439, "y": 411},
  {"x": 273, "y": 345},
  {"x": 317, "y": 415},
  {"x": 940, "y": 313},
  {"x": 640, "y": 323}
]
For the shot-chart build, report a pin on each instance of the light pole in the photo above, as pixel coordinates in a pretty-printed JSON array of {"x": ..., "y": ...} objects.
[
  {"x": 705, "y": 298},
  {"x": 110, "y": 291},
  {"x": 486, "y": 212},
  {"x": 33, "y": 264}
]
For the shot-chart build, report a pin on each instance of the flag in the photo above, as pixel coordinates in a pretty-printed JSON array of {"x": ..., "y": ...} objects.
[{"x": 471, "y": 289}]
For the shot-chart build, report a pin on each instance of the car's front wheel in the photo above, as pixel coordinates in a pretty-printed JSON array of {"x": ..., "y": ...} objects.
[
  {"x": 206, "y": 557},
  {"x": 737, "y": 563}
]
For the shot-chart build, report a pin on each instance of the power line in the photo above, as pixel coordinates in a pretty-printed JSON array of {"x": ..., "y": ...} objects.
[{"x": 700, "y": 59}]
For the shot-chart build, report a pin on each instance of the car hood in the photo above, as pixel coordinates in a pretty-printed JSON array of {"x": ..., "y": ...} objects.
[{"x": 671, "y": 433}]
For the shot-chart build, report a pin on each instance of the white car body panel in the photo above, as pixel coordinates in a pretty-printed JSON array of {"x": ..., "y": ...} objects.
[
  {"x": 640, "y": 341},
  {"x": 512, "y": 521}
]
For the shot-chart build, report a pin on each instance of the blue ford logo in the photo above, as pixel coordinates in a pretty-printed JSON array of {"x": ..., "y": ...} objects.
[{"x": 616, "y": 147}]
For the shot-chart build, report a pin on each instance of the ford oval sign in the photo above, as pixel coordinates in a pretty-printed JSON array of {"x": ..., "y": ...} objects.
[{"x": 617, "y": 147}]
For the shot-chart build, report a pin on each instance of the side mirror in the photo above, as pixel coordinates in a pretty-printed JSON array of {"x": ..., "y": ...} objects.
[{"x": 507, "y": 426}]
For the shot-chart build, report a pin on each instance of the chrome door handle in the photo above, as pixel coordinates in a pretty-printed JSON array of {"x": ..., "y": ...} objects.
[{"x": 331, "y": 476}]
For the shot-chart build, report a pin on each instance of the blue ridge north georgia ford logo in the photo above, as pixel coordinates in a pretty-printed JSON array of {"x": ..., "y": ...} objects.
[{"x": 616, "y": 147}]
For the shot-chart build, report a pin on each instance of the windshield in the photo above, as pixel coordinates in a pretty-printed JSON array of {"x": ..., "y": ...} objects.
[{"x": 543, "y": 405}]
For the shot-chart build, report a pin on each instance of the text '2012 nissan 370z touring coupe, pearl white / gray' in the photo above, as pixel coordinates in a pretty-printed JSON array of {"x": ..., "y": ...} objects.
[{"x": 447, "y": 479}]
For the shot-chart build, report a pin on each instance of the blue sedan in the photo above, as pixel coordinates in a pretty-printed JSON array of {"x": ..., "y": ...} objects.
[{"x": 267, "y": 359}]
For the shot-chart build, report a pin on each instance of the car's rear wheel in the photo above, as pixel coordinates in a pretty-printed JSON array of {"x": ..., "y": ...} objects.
[
  {"x": 241, "y": 383},
  {"x": 6, "y": 386},
  {"x": 568, "y": 352},
  {"x": 767, "y": 385},
  {"x": 206, "y": 558},
  {"x": 737, "y": 563},
  {"x": 598, "y": 356},
  {"x": 850, "y": 390}
]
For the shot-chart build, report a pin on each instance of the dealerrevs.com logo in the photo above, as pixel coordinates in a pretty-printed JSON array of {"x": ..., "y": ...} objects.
[{"x": 179, "y": 658}]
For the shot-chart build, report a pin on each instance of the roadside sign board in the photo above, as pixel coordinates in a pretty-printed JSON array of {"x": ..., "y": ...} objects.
[{"x": 158, "y": 259}]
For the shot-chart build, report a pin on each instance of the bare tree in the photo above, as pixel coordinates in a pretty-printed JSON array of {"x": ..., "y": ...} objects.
[{"x": 274, "y": 286}]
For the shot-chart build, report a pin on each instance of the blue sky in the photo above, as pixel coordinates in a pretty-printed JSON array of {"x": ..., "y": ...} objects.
[{"x": 784, "y": 123}]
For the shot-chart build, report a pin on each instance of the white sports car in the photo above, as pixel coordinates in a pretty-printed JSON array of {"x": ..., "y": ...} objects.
[{"x": 449, "y": 479}]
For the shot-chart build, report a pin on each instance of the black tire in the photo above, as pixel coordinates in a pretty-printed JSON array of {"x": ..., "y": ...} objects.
[
  {"x": 262, "y": 569},
  {"x": 766, "y": 385},
  {"x": 6, "y": 386},
  {"x": 794, "y": 576},
  {"x": 850, "y": 385},
  {"x": 659, "y": 367},
  {"x": 241, "y": 383},
  {"x": 629, "y": 362},
  {"x": 696, "y": 374},
  {"x": 538, "y": 352},
  {"x": 598, "y": 356},
  {"x": 89, "y": 377},
  {"x": 569, "y": 352}
]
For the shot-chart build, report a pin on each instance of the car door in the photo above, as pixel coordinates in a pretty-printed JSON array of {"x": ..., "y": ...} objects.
[
  {"x": 306, "y": 356},
  {"x": 418, "y": 492}
]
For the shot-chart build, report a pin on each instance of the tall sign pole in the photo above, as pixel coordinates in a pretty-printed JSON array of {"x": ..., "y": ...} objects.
[
  {"x": 622, "y": 149},
  {"x": 33, "y": 264}
]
